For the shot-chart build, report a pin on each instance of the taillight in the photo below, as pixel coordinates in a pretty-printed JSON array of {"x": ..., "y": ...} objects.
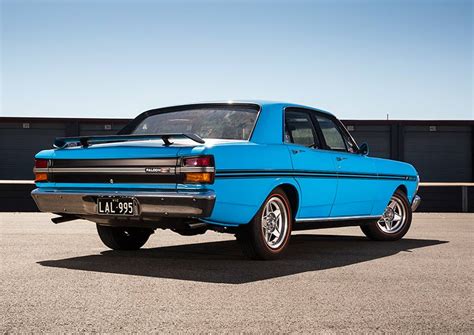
[
  {"x": 41, "y": 170},
  {"x": 41, "y": 163},
  {"x": 198, "y": 177},
  {"x": 198, "y": 161},
  {"x": 198, "y": 170}
]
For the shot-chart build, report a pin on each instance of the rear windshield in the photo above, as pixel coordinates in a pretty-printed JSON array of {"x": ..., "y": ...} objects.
[{"x": 234, "y": 123}]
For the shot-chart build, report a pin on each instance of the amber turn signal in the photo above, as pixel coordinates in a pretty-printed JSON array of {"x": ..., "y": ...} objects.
[
  {"x": 198, "y": 177},
  {"x": 41, "y": 176}
]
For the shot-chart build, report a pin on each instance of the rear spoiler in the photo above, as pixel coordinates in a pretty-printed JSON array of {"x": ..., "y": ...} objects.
[{"x": 85, "y": 141}]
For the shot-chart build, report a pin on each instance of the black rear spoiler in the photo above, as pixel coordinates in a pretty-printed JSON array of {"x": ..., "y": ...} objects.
[{"x": 85, "y": 141}]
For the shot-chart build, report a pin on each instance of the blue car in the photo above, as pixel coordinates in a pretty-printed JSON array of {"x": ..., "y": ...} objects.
[{"x": 258, "y": 170}]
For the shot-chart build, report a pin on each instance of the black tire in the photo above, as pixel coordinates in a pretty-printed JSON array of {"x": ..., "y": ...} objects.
[
  {"x": 123, "y": 238},
  {"x": 377, "y": 232},
  {"x": 251, "y": 237}
]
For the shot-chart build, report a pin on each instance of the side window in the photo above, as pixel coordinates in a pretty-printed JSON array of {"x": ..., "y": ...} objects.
[
  {"x": 331, "y": 133},
  {"x": 350, "y": 144},
  {"x": 299, "y": 129}
]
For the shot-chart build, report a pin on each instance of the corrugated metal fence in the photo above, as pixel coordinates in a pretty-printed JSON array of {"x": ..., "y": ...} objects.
[{"x": 442, "y": 152}]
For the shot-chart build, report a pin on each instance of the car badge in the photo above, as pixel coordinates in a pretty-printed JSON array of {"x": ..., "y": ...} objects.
[{"x": 157, "y": 170}]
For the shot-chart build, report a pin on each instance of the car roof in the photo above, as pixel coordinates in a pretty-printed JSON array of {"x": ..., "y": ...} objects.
[
  {"x": 261, "y": 103},
  {"x": 268, "y": 107}
]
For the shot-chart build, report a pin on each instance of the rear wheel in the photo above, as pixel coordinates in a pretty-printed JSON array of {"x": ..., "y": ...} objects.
[
  {"x": 123, "y": 238},
  {"x": 395, "y": 221},
  {"x": 268, "y": 234}
]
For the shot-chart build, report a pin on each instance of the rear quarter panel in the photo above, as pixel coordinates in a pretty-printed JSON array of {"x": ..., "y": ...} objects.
[{"x": 238, "y": 198}]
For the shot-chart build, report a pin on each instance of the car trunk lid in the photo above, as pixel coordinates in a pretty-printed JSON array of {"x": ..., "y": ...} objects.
[{"x": 139, "y": 163}]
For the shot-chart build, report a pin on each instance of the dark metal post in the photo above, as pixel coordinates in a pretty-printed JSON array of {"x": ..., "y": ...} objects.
[
  {"x": 401, "y": 142},
  {"x": 394, "y": 141}
]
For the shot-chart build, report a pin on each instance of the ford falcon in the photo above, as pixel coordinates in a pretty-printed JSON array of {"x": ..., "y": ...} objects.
[{"x": 258, "y": 170}]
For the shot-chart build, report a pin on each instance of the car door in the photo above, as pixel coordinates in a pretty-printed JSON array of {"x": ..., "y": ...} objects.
[
  {"x": 311, "y": 165},
  {"x": 357, "y": 176}
]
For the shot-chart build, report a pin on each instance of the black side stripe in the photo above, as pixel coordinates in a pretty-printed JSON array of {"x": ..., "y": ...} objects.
[{"x": 307, "y": 174}]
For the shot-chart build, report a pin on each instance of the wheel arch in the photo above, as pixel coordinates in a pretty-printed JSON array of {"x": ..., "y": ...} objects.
[
  {"x": 293, "y": 196},
  {"x": 233, "y": 196},
  {"x": 402, "y": 188}
]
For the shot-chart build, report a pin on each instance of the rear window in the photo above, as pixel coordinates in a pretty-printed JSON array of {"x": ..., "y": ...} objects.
[{"x": 235, "y": 123}]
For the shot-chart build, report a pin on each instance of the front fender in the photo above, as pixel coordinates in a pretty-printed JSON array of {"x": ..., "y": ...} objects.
[{"x": 388, "y": 187}]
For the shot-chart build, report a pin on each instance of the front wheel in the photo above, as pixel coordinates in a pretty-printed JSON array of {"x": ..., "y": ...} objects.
[
  {"x": 268, "y": 234},
  {"x": 123, "y": 238},
  {"x": 395, "y": 221}
]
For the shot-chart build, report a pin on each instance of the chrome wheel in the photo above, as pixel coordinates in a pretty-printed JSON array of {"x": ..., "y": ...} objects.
[
  {"x": 274, "y": 222},
  {"x": 394, "y": 216}
]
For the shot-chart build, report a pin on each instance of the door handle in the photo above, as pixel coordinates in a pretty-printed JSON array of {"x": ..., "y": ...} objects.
[
  {"x": 296, "y": 151},
  {"x": 340, "y": 158}
]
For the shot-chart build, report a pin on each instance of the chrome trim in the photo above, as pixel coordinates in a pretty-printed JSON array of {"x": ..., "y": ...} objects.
[
  {"x": 185, "y": 169},
  {"x": 121, "y": 170},
  {"x": 169, "y": 168},
  {"x": 415, "y": 203},
  {"x": 339, "y": 218},
  {"x": 146, "y": 170},
  {"x": 113, "y": 162},
  {"x": 151, "y": 204}
]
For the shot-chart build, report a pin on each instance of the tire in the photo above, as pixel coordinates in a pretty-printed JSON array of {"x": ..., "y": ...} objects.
[
  {"x": 123, "y": 238},
  {"x": 259, "y": 239},
  {"x": 387, "y": 228}
]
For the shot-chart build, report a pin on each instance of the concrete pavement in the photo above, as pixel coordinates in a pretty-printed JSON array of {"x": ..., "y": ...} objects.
[{"x": 60, "y": 278}]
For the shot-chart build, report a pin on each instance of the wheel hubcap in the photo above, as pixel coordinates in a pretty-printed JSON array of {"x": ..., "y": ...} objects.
[
  {"x": 394, "y": 217},
  {"x": 274, "y": 222}
]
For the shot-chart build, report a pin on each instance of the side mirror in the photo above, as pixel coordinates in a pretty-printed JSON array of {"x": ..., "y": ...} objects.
[{"x": 364, "y": 149}]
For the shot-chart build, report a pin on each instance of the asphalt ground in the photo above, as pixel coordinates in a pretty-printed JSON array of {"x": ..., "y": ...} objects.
[{"x": 60, "y": 278}]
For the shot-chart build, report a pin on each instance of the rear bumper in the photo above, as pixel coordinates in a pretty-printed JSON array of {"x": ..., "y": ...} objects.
[
  {"x": 415, "y": 203},
  {"x": 151, "y": 204}
]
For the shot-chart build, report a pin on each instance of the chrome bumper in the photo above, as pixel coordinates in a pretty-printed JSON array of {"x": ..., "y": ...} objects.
[
  {"x": 151, "y": 204},
  {"x": 415, "y": 203}
]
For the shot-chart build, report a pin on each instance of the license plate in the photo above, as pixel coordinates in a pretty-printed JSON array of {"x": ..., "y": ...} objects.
[{"x": 117, "y": 206}]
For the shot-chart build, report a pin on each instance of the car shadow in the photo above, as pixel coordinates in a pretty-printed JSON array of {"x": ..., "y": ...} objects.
[{"x": 223, "y": 262}]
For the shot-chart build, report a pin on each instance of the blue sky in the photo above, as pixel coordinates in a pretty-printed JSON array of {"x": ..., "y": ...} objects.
[{"x": 357, "y": 59}]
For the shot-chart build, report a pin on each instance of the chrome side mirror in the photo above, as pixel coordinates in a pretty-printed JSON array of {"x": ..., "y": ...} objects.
[{"x": 364, "y": 149}]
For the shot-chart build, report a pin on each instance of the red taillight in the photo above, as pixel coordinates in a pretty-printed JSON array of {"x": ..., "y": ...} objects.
[
  {"x": 198, "y": 170},
  {"x": 203, "y": 161},
  {"x": 41, "y": 163},
  {"x": 41, "y": 175}
]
